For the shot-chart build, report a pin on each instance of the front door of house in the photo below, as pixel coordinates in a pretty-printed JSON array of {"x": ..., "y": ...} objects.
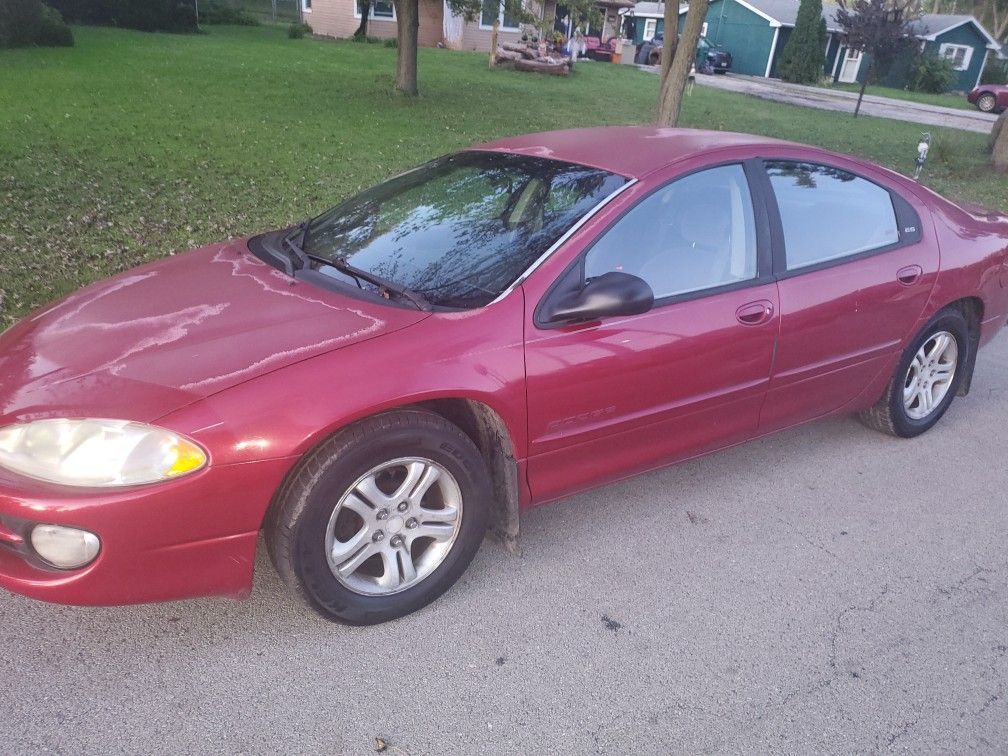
[{"x": 851, "y": 64}]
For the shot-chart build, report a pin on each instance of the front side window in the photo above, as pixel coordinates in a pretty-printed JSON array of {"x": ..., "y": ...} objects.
[
  {"x": 696, "y": 233},
  {"x": 463, "y": 228},
  {"x": 829, "y": 213}
]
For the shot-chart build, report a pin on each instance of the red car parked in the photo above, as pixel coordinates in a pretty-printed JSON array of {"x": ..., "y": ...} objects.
[
  {"x": 493, "y": 330},
  {"x": 989, "y": 98}
]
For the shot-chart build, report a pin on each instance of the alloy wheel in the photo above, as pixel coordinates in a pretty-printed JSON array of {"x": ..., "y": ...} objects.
[
  {"x": 986, "y": 103},
  {"x": 930, "y": 375},
  {"x": 394, "y": 526}
]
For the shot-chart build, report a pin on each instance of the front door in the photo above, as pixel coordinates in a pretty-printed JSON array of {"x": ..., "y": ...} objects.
[
  {"x": 850, "y": 66},
  {"x": 613, "y": 397}
]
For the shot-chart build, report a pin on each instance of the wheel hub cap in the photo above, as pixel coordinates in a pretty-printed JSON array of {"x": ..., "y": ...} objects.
[
  {"x": 930, "y": 375},
  {"x": 394, "y": 526}
]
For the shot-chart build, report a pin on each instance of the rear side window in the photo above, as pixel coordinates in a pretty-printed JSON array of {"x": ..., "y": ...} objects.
[{"x": 829, "y": 213}]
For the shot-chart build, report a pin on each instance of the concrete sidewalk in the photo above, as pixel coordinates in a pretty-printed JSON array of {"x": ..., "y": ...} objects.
[{"x": 839, "y": 100}]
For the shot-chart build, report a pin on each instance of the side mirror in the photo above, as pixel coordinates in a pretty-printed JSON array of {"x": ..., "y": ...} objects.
[{"x": 610, "y": 294}]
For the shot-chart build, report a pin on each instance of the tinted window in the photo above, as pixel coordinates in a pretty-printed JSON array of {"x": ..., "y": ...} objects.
[
  {"x": 695, "y": 233},
  {"x": 829, "y": 213},
  {"x": 461, "y": 229}
]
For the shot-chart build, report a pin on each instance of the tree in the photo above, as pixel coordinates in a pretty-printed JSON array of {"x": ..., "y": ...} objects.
[
  {"x": 877, "y": 29},
  {"x": 999, "y": 143},
  {"x": 678, "y": 57},
  {"x": 408, "y": 24},
  {"x": 801, "y": 59},
  {"x": 361, "y": 33},
  {"x": 408, "y": 16}
]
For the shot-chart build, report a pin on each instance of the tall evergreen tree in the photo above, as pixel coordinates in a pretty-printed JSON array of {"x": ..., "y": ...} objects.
[{"x": 801, "y": 60}]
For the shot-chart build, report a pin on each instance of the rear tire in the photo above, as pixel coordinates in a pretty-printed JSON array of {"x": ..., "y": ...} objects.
[
  {"x": 926, "y": 379},
  {"x": 382, "y": 518},
  {"x": 986, "y": 103}
]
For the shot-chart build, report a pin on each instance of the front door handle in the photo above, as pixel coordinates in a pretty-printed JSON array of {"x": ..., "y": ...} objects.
[
  {"x": 909, "y": 275},
  {"x": 755, "y": 313}
]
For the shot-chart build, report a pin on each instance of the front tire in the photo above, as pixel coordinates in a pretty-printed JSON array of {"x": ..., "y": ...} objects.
[
  {"x": 382, "y": 518},
  {"x": 986, "y": 103},
  {"x": 926, "y": 380}
]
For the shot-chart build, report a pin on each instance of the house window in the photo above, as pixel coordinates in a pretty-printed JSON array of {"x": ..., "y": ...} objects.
[
  {"x": 382, "y": 9},
  {"x": 306, "y": 6},
  {"x": 494, "y": 10},
  {"x": 959, "y": 55},
  {"x": 703, "y": 29},
  {"x": 650, "y": 24}
]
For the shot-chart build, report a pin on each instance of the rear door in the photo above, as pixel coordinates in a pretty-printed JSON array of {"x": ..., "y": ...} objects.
[{"x": 855, "y": 267}]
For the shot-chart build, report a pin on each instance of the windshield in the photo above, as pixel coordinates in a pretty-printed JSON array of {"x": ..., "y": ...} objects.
[{"x": 461, "y": 229}]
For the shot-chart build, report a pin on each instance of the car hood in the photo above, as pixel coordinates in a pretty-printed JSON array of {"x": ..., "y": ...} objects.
[{"x": 155, "y": 338}]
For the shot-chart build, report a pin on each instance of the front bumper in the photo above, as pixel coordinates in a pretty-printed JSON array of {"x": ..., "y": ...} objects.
[{"x": 192, "y": 537}]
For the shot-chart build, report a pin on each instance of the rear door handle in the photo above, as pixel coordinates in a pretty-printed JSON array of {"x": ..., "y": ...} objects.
[
  {"x": 909, "y": 275},
  {"x": 755, "y": 313}
]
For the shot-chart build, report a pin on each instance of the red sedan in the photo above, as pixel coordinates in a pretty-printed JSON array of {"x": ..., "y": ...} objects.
[
  {"x": 989, "y": 98},
  {"x": 501, "y": 327}
]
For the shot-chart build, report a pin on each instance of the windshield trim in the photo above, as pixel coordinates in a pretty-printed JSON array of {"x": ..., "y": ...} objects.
[{"x": 562, "y": 240}]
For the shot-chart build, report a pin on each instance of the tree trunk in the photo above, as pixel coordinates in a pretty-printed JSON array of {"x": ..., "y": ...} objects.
[
  {"x": 408, "y": 16},
  {"x": 493, "y": 41},
  {"x": 671, "y": 39},
  {"x": 361, "y": 32},
  {"x": 864, "y": 84},
  {"x": 670, "y": 99},
  {"x": 999, "y": 143}
]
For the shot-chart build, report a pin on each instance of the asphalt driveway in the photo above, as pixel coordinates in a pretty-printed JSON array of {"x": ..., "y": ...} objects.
[
  {"x": 825, "y": 589},
  {"x": 843, "y": 101}
]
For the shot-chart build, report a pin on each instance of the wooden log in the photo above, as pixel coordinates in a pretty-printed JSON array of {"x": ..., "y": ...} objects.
[
  {"x": 524, "y": 50},
  {"x": 508, "y": 55},
  {"x": 541, "y": 66}
]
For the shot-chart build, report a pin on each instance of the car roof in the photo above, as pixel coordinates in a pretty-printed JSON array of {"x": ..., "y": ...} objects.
[{"x": 631, "y": 151}]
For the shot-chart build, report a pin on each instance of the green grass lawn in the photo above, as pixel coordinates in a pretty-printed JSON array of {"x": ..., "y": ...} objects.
[
  {"x": 945, "y": 100},
  {"x": 130, "y": 146}
]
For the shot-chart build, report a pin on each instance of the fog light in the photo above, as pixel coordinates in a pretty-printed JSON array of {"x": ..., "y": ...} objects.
[{"x": 65, "y": 548}]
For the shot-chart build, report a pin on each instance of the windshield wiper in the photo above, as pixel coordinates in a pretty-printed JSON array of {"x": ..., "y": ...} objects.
[
  {"x": 385, "y": 287},
  {"x": 299, "y": 259}
]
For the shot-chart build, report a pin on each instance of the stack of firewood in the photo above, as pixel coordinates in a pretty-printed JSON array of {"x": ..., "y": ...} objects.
[{"x": 527, "y": 58}]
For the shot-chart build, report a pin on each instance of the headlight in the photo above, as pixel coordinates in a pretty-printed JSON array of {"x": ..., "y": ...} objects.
[{"x": 100, "y": 453}]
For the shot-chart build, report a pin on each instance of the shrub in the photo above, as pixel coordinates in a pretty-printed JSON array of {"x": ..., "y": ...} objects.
[
  {"x": 19, "y": 22},
  {"x": 931, "y": 74},
  {"x": 29, "y": 22},
  {"x": 144, "y": 15},
  {"x": 801, "y": 59},
  {"x": 393, "y": 42},
  {"x": 297, "y": 31},
  {"x": 52, "y": 30},
  {"x": 217, "y": 12}
]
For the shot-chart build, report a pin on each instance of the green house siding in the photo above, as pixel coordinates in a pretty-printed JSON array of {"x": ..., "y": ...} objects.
[
  {"x": 639, "y": 28},
  {"x": 747, "y": 36},
  {"x": 782, "y": 38},
  {"x": 832, "y": 50},
  {"x": 966, "y": 34},
  {"x": 898, "y": 75}
]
